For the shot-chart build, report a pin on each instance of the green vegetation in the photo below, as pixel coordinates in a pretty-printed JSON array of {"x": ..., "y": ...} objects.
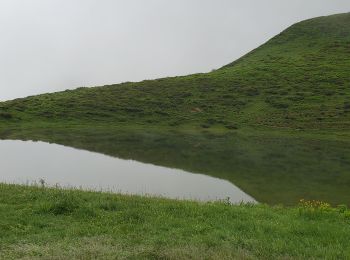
[
  {"x": 64, "y": 224},
  {"x": 299, "y": 79}
]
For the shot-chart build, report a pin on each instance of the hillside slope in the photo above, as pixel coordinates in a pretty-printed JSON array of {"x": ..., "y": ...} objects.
[{"x": 298, "y": 79}]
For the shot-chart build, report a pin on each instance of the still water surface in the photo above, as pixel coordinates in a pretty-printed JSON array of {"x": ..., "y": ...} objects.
[{"x": 27, "y": 162}]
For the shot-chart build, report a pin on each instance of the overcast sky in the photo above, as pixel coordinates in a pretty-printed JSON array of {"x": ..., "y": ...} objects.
[{"x": 51, "y": 45}]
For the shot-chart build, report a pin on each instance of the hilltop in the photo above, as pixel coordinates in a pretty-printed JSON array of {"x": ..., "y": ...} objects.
[{"x": 297, "y": 80}]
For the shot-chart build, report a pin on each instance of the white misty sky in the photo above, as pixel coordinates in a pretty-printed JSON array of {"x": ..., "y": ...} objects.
[{"x": 52, "y": 45}]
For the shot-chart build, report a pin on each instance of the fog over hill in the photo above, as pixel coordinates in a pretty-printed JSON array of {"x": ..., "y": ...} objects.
[{"x": 53, "y": 45}]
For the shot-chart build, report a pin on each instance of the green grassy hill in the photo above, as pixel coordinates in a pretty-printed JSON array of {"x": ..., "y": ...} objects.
[{"x": 298, "y": 79}]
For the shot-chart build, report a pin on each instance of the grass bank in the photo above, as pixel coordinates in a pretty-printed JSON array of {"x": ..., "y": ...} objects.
[{"x": 50, "y": 223}]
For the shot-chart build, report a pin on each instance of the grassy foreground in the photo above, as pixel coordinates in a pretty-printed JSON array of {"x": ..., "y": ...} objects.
[{"x": 64, "y": 224}]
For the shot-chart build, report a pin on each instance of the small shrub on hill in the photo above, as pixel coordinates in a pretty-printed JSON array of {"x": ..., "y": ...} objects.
[{"x": 5, "y": 115}]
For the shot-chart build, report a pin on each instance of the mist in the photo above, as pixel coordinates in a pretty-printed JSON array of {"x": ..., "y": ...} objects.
[{"x": 53, "y": 45}]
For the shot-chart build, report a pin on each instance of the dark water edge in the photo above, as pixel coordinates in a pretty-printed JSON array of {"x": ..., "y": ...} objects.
[{"x": 271, "y": 169}]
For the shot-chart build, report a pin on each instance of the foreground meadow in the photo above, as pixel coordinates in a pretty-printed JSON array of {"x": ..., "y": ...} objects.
[{"x": 38, "y": 222}]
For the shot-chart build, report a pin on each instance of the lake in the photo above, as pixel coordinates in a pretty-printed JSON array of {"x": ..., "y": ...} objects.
[
  {"x": 269, "y": 169},
  {"x": 26, "y": 162}
]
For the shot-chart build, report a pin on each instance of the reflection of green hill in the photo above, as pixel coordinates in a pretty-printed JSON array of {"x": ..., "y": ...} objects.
[{"x": 271, "y": 169}]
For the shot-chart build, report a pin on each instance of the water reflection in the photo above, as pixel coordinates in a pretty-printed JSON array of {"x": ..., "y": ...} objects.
[
  {"x": 270, "y": 169},
  {"x": 23, "y": 162}
]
